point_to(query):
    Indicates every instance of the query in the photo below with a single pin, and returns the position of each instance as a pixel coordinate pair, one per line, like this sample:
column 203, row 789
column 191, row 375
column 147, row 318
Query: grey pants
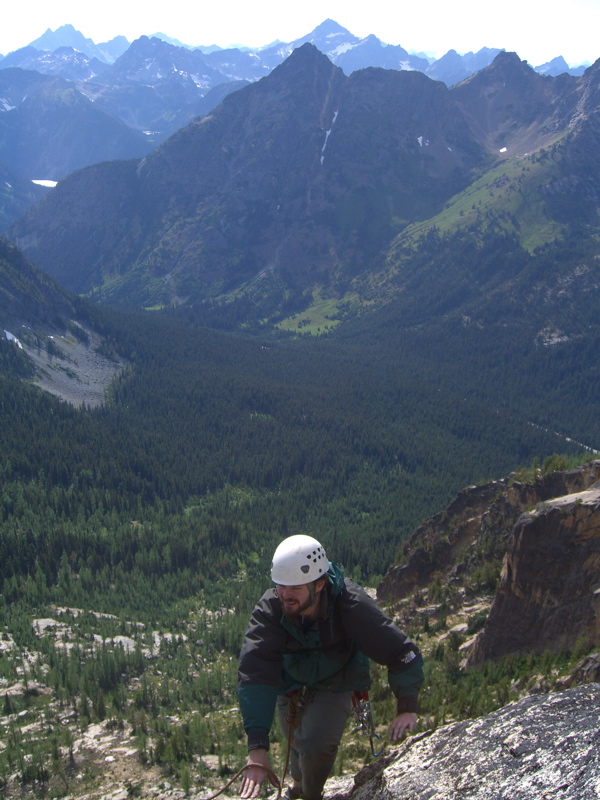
column 318, row 729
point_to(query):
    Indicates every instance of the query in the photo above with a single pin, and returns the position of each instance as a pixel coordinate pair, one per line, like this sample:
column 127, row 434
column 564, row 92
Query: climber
column 310, row 639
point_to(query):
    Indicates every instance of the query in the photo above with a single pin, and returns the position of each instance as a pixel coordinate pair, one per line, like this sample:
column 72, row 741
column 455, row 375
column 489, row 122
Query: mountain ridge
column 342, row 47
column 233, row 201
column 156, row 85
column 271, row 108
column 49, row 128
column 68, row 36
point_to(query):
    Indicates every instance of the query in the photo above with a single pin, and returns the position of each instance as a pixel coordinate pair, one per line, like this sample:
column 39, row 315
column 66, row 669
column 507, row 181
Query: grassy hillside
column 511, row 193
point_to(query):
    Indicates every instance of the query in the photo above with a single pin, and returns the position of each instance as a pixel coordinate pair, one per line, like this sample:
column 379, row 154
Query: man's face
column 294, row 599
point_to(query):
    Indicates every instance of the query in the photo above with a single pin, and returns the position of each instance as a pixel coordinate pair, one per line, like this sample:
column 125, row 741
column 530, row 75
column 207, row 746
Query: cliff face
column 549, row 593
column 475, row 527
column 541, row 746
column 547, row 536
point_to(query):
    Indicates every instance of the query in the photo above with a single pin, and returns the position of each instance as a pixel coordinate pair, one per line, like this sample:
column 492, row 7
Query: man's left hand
column 403, row 722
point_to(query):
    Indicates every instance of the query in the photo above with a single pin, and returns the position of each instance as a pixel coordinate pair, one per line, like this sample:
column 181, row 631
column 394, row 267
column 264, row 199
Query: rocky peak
column 329, row 28
column 507, row 71
column 557, row 66
column 328, row 37
column 152, row 60
column 302, row 61
column 506, row 90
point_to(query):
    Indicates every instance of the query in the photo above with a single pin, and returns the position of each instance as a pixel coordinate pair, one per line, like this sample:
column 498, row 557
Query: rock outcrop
column 476, row 525
column 549, row 593
column 540, row 747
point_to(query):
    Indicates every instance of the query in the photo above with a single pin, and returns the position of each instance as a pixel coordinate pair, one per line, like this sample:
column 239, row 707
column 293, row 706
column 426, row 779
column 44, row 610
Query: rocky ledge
column 543, row 746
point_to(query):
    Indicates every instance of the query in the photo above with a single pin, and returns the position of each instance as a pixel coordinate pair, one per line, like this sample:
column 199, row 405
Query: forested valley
column 143, row 529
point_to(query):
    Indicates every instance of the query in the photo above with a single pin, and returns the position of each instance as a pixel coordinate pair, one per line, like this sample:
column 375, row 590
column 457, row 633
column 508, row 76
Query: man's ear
column 319, row 584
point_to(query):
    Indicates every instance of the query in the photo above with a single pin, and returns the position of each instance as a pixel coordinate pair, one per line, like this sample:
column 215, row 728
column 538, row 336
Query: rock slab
column 544, row 746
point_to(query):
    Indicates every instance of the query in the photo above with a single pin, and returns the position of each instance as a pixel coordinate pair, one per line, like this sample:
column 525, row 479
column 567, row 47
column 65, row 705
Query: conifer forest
column 136, row 536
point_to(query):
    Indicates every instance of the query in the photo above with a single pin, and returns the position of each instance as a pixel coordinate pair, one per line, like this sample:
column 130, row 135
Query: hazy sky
column 537, row 30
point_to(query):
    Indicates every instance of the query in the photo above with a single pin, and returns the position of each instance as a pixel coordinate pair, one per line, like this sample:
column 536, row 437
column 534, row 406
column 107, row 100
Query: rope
column 296, row 698
column 270, row 774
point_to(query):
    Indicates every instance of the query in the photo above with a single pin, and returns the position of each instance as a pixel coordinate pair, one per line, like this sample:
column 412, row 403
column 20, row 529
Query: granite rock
column 543, row 746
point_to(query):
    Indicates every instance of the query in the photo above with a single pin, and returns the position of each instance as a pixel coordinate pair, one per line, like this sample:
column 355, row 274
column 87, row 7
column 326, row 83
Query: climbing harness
column 361, row 708
column 363, row 715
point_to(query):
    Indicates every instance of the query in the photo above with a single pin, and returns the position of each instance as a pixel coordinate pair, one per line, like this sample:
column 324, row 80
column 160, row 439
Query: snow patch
column 5, row 105
column 48, row 184
column 342, row 48
column 327, row 134
column 201, row 81
column 503, row 150
column 12, row 338
column 421, row 140
column 404, row 65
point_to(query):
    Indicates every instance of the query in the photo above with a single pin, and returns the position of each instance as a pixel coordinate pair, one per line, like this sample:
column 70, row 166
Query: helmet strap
column 312, row 593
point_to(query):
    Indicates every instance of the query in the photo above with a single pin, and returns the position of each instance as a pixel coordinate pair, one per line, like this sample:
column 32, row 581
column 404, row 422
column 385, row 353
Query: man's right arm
column 259, row 672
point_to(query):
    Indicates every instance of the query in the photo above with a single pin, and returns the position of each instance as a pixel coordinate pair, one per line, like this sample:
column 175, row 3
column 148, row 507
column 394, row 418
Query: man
column 316, row 631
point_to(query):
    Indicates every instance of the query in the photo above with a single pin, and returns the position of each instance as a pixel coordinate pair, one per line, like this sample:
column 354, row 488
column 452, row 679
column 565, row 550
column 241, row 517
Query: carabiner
column 380, row 751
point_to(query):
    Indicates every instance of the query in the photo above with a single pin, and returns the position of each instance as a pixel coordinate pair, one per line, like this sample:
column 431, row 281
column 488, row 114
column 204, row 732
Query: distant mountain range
column 343, row 48
column 153, row 87
column 313, row 189
column 447, row 238
column 67, row 36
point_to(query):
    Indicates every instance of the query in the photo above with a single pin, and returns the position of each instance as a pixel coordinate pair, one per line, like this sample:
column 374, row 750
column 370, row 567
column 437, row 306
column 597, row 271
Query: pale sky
column 538, row 30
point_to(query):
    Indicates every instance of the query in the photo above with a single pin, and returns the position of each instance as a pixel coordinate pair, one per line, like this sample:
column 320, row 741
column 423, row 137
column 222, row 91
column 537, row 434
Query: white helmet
column 298, row 560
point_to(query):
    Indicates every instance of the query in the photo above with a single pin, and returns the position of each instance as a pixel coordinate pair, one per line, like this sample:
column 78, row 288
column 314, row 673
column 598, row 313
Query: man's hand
column 254, row 776
column 403, row 722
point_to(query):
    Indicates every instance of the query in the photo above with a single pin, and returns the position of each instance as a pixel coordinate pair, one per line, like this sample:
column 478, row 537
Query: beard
column 294, row 608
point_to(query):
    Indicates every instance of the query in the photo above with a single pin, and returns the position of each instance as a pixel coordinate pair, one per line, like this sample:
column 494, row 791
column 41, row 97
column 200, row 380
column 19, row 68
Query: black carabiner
column 380, row 751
